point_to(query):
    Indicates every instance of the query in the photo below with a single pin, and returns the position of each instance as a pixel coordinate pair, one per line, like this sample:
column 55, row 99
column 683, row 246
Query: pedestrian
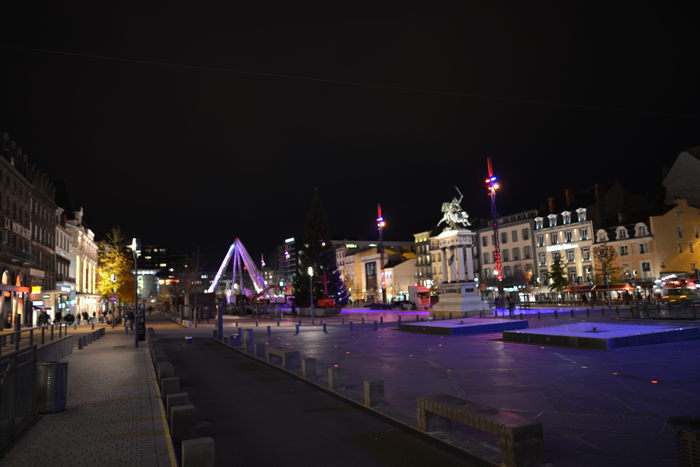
column 86, row 318
column 511, row 304
column 58, row 317
column 130, row 320
column 94, row 317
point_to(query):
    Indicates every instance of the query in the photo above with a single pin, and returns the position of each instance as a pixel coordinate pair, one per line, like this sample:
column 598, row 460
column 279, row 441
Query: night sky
column 188, row 126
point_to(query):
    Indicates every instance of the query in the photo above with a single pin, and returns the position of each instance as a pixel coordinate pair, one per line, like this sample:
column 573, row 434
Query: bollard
column 381, row 320
column 240, row 333
column 182, row 422
column 299, row 321
column 417, row 317
column 236, row 323
column 248, row 341
column 539, row 315
column 260, row 350
column 336, row 377
column 297, row 331
column 257, row 323
column 169, row 386
column 556, row 313
column 363, row 320
column 42, row 336
column 351, row 326
column 173, row 400
column 165, row 370
column 198, row 452
column 226, row 341
column 269, row 330
column 308, row 367
column 374, row 393
column 80, row 343
column 572, row 312
column 399, row 320
column 375, row 324
column 325, row 329
column 278, row 323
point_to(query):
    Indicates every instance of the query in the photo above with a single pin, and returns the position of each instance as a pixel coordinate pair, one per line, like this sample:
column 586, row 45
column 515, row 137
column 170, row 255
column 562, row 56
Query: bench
column 521, row 437
column 289, row 358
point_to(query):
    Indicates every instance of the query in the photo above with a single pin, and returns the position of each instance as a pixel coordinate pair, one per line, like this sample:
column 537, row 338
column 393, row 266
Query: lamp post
column 136, row 250
column 381, row 223
column 311, row 290
column 113, row 278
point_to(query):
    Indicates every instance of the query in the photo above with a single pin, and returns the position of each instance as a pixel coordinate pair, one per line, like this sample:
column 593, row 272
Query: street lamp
column 136, row 250
column 311, row 291
column 381, row 223
column 113, row 278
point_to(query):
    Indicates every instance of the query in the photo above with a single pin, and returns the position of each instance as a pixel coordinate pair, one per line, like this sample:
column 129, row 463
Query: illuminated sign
column 568, row 246
column 289, row 240
column 36, row 289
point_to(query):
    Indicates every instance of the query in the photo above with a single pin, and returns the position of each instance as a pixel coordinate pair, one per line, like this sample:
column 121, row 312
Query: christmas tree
column 317, row 251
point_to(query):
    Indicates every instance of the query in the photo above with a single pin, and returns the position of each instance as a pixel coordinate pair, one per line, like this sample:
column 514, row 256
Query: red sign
column 326, row 302
column 112, row 298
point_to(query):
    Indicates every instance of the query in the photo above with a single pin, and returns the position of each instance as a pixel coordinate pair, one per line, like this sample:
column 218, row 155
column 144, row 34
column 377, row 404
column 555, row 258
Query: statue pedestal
column 458, row 298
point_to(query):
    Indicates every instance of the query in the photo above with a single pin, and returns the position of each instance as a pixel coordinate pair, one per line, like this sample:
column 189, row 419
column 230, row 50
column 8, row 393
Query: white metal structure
column 239, row 257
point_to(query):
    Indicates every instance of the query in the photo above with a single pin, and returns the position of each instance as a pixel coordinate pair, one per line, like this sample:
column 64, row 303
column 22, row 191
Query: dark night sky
column 150, row 120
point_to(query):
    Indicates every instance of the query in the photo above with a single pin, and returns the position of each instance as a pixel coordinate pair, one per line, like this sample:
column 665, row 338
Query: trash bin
column 51, row 386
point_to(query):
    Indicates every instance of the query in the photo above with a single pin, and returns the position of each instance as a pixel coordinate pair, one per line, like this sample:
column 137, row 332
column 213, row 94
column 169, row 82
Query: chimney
column 569, row 197
column 551, row 205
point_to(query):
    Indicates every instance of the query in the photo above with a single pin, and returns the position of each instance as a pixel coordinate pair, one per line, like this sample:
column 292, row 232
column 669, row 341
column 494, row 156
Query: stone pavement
column 598, row 407
column 113, row 415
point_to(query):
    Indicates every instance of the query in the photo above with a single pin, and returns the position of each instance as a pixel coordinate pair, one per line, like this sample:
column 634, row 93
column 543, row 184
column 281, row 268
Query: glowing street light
column 381, row 223
column 311, row 290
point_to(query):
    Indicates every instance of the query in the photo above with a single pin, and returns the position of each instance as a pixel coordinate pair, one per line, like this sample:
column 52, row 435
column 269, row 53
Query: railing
column 28, row 337
column 17, row 396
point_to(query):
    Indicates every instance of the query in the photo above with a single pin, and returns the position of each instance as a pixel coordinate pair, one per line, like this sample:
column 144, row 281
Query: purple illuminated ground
column 598, row 407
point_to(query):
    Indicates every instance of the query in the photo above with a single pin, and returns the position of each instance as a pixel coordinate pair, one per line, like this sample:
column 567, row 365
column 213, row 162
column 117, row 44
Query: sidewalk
column 113, row 415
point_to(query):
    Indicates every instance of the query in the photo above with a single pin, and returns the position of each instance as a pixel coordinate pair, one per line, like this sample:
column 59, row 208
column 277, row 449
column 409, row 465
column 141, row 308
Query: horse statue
column 453, row 215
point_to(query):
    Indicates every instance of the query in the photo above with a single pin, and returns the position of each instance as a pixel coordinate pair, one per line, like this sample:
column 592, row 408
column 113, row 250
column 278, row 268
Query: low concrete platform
column 461, row 326
column 602, row 335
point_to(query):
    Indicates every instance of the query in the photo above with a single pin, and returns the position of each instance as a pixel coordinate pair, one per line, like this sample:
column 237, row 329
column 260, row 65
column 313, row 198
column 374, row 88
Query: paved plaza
column 598, row 407
column 113, row 415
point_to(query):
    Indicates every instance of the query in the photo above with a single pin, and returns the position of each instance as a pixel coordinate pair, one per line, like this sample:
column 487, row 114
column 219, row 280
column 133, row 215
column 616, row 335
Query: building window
column 641, row 230
column 526, row 234
column 680, row 248
column 487, row 273
column 526, row 252
column 538, row 223
column 506, row 255
column 504, row 238
column 516, row 254
column 554, row 238
column 506, row 271
column 567, row 236
column 487, row 258
column 514, row 235
column 543, row 277
column 581, row 213
column 540, row 240
column 583, row 233
column 571, row 274
column 679, row 230
column 570, row 256
column 646, row 270
column 542, row 259
column 621, row 233
column 485, row 240
column 566, row 217
column 624, row 250
column 552, row 220
column 643, row 248
column 588, row 274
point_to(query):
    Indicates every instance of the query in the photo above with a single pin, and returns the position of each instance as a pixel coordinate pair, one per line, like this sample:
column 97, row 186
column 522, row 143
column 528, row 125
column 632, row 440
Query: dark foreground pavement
column 260, row 416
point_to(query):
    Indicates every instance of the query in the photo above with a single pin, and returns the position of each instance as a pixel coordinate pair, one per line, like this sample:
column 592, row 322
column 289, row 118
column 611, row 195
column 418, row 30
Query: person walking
column 130, row 320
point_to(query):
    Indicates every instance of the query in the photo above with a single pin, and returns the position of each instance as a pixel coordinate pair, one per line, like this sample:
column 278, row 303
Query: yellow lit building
column 677, row 238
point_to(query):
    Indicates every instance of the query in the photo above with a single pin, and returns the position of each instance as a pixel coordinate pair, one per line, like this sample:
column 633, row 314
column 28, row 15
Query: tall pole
column 136, row 296
column 380, row 226
column 311, row 290
column 493, row 186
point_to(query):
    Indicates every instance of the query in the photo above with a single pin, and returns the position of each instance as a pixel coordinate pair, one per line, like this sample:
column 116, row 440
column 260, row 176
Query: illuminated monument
column 459, row 292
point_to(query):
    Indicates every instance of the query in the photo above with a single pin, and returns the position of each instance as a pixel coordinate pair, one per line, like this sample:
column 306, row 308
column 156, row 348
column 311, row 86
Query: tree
column 317, row 251
column 114, row 261
column 557, row 275
column 605, row 259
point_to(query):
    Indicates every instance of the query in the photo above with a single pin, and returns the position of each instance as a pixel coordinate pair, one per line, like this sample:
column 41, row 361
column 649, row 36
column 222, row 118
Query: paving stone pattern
column 113, row 416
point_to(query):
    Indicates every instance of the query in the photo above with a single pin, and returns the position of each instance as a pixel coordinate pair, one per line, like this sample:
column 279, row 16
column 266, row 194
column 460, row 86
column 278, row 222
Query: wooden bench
column 521, row 437
column 290, row 358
